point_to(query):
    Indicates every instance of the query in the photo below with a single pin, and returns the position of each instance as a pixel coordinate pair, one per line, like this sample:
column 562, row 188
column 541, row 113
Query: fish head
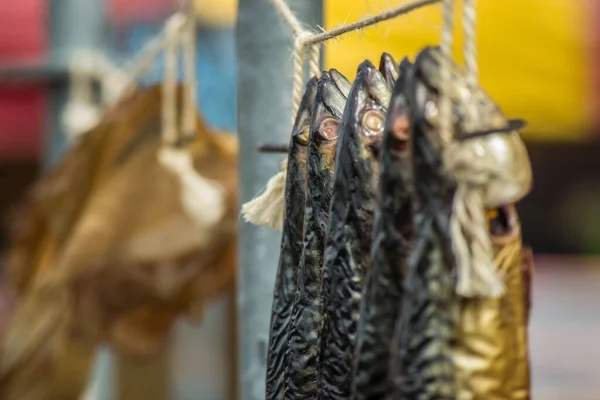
column 364, row 118
column 342, row 83
column 396, row 150
column 397, row 127
column 480, row 129
column 325, row 124
column 301, row 129
column 389, row 68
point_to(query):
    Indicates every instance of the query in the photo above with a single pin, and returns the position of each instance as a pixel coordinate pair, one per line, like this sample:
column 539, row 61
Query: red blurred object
column 22, row 107
column 22, row 115
column 23, row 35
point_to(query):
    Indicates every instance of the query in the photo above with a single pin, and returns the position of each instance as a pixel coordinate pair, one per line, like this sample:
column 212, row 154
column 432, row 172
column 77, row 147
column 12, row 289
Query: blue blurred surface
column 216, row 65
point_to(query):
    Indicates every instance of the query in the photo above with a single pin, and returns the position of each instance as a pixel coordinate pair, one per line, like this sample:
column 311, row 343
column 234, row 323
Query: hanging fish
column 424, row 366
column 491, row 354
column 347, row 256
column 389, row 68
column 90, row 280
column 391, row 244
column 291, row 245
column 303, row 352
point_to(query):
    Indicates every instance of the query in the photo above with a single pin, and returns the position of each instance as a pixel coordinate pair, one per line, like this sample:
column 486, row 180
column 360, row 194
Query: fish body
column 303, row 350
column 291, row 245
column 391, row 244
column 424, row 366
column 347, row 256
column 490, row 351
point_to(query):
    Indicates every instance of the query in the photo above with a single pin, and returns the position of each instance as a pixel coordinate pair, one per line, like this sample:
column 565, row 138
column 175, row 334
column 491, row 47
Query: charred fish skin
column 389, row 68
column 291, row 245
column 424, row 368
column 304, row 345
column 347, row 255
column 391, row 244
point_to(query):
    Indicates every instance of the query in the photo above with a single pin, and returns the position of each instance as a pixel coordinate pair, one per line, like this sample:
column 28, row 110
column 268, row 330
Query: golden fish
column 490, row 355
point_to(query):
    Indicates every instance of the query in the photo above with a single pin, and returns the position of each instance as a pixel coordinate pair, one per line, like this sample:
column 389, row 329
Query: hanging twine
column 189, row 120
column 173, row 28
column 446, row 116
column 477, row 276
column 469, row 27
column 314, row 60
column 81, row 113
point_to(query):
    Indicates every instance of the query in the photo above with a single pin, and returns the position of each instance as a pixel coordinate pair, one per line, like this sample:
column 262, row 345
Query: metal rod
column 264, row 112
column 273, row 148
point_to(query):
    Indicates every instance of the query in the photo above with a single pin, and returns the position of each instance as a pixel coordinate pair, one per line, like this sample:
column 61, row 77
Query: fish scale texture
column 347, row 256
column 292, row 239
column 303, row 351
column 424, row 368
column 383, row 293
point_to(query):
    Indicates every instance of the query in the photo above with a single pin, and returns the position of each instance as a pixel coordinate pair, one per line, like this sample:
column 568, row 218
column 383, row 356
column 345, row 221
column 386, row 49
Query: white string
column 469, row 27
column 189, row 53
column 173, row 28
column 314, row 60
column 446, row 116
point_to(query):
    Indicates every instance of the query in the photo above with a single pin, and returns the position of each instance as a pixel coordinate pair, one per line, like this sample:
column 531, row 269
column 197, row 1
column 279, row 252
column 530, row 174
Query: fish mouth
column 368, row 102
column 503, row 223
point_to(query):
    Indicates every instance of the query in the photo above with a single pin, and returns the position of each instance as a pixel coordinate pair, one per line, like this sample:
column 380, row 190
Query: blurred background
column 538, row 59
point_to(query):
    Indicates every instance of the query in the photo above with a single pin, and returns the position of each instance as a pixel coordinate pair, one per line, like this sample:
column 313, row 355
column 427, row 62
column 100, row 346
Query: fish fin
column 268, row 209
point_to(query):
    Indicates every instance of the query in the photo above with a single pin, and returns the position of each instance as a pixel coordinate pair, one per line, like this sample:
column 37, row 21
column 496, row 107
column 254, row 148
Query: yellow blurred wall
column 534, row 55
column 220, row 13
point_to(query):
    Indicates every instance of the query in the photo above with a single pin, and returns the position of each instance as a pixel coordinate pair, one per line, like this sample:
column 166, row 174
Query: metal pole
column 264, row 106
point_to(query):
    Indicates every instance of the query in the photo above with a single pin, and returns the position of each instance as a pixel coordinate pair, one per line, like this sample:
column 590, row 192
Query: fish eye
column 373, row 122
column 401, row 128
column 328, row 129
column 302, row 137
column 431, row 112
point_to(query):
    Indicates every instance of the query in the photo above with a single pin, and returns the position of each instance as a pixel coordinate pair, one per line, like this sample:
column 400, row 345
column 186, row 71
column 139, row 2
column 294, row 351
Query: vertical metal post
column 264, row 106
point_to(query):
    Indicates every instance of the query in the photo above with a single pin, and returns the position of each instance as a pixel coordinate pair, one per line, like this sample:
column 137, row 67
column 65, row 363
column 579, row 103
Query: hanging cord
column 469, row 26
column 471, row 243
column 81, row 113
column 446, row 116
column 202, row 199
column 189, row 120
column 314, row 60
column 173, row 29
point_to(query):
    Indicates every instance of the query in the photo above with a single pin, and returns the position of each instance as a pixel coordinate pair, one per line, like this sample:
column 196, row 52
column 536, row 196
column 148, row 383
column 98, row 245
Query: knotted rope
column 304, row 38
column 472, row 170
